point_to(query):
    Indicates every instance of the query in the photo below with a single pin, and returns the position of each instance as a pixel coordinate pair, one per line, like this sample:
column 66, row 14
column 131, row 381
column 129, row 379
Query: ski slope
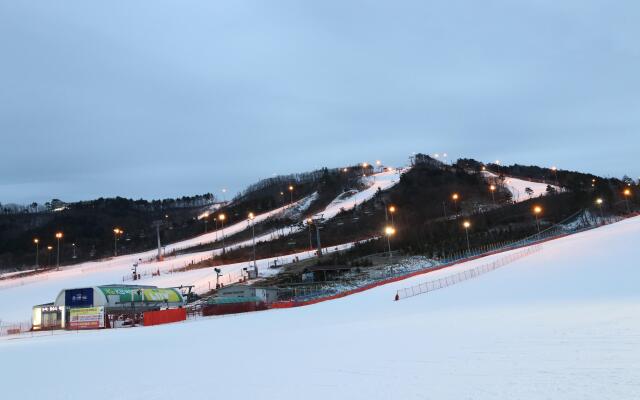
column 560, row 324
column 517, row 187
column 347, row 201
column 215, row 235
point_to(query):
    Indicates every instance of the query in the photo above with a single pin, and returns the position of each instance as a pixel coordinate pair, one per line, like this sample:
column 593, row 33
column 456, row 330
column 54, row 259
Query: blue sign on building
column 79, row 297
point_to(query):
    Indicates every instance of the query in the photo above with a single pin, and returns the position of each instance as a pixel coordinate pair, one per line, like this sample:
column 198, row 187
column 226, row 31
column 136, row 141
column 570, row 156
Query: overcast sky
column 159, row 98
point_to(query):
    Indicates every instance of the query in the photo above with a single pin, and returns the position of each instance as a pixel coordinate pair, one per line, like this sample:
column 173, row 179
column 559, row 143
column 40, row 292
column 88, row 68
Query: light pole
column 253, row 235
column 73, row 246
column 492, row 188
column 222, row 217
column 36, row 241
column 392, row 210
column 555, row 174
column 627, row 194
column 49, row 249
column 536, row 211
column 389, row 231
column 58, row 237
column 599, row 202
column 467, row 225
column 116, row 232
column 206, row 221
column 291, row 195
column 455, row 198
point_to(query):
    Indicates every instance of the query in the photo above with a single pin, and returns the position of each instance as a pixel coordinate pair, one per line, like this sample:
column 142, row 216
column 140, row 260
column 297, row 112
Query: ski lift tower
column 317, row 222
column 157, row 224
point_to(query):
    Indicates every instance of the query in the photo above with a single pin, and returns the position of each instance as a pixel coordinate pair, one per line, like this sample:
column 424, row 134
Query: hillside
column 561, row 322
column 88, row 225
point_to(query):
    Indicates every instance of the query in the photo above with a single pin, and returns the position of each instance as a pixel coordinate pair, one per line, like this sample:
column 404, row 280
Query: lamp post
column 364, row 168
column 555, row 173
column 253, row 235
column 599, row 202
column 467, row 225
column 389, row 231
column 116, row 232
column 291, row 195
column 627, row 194
column 58, row 237
column 73, row 246
column 392, row 210
column 49, row 249
column 36, row 241
column 222, row 217
column 455, row 198
column 492, row 189
column 536, row 211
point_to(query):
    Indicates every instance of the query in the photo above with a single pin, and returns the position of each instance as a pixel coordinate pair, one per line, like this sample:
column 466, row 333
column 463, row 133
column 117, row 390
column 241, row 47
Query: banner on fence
column 86, row 318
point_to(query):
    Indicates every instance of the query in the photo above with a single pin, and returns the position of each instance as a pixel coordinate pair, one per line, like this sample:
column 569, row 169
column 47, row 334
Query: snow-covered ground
column 560, row 324
column 347, row 201
column 518, row 187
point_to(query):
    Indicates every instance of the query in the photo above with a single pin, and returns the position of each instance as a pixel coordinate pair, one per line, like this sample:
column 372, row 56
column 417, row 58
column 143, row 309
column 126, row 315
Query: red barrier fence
column 164, row 316
column 232, row 308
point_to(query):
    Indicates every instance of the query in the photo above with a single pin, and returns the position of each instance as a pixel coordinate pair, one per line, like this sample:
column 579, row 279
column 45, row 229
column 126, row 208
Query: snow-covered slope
column 560, row 324
column 347, row 201
column 230, row 230
column 518, row 187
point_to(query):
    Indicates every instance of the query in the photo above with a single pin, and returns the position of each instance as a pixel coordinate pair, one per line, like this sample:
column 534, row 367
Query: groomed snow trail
column 560, row 324
column 518, row 187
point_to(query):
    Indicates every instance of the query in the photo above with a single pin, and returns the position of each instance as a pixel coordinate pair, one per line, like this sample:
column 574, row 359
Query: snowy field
column 563, row 323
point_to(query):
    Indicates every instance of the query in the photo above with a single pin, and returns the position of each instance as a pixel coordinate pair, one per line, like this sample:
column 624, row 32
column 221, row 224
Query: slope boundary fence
column 430, row 286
